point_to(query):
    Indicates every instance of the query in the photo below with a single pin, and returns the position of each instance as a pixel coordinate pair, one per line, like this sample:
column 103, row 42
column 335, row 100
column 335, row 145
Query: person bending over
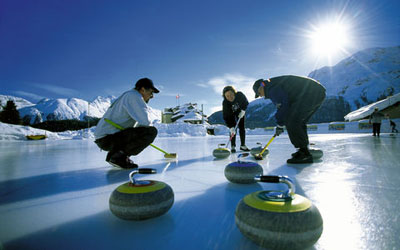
column 296, row 99
column 233, row 108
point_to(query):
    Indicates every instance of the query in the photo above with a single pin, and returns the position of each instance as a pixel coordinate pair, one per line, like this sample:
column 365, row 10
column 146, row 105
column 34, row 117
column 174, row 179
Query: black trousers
column 376, row 129
column 298, row 116
column 242, row 133
column 131, row 141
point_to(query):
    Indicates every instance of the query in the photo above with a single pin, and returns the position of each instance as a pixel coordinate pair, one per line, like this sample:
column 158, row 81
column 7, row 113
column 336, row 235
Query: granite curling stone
column 316, row 153
column 256, row 150
column 221, row 152
column 279, row 220
column 242, row 172
column 140, row 200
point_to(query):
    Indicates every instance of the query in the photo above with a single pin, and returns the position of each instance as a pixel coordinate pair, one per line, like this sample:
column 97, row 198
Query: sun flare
column 329, row 39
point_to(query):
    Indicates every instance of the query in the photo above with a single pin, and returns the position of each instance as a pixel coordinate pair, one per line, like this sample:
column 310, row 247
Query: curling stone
column 316, row 153
column 140, row 200
column 279, row 219
column 242, row 172
column 256, row 150
column 221, row 152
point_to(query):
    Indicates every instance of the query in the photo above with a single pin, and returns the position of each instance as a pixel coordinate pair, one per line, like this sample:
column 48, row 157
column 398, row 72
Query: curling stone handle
column 141, row 171
column 147, row 171
column 278, row 179
column 267, row 178
column 242, row 155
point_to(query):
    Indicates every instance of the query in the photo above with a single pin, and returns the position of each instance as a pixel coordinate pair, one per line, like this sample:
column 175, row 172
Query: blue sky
column 61, row 49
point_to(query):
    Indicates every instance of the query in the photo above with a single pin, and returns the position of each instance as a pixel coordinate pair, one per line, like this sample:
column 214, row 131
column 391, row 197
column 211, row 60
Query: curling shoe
column 120, row 159
column 301, row 156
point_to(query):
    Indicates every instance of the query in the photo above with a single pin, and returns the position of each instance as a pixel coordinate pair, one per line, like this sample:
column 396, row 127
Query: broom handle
column 230, row 138
column 266, row 146
column 154, row 146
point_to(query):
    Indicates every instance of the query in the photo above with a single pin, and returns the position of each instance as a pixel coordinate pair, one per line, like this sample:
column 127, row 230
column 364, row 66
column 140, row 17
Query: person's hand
column 241, row 114
column 233, row 132
column 278, row 130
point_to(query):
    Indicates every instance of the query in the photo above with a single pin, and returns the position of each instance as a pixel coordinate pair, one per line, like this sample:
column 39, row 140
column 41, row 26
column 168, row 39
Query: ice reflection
column 340, row 209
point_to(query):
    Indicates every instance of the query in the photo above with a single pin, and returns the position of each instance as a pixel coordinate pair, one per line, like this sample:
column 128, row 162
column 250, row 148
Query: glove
column 233, row 132
column 278, row 130
column 241, row 114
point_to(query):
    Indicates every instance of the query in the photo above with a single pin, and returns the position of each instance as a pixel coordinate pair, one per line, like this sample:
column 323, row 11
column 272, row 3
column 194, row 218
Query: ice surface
column 54, row 193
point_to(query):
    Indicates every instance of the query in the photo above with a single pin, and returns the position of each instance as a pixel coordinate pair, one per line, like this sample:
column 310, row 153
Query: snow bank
column 19, row 132
column 180, row 129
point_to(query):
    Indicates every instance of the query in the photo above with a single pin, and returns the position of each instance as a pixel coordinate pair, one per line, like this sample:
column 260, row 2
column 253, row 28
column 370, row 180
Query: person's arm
column 281, row 100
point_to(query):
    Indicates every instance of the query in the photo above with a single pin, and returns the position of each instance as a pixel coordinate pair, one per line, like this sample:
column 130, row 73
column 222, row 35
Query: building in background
column 188, row 113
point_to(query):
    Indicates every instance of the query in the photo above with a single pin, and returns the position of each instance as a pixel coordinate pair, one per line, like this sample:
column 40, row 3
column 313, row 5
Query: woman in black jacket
column 233, row 108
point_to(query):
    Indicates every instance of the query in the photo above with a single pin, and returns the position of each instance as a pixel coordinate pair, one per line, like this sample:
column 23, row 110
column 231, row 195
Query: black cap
column 257, row 85
column 147, row 84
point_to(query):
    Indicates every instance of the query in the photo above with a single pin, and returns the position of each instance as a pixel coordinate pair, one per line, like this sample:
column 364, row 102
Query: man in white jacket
column 125, row 129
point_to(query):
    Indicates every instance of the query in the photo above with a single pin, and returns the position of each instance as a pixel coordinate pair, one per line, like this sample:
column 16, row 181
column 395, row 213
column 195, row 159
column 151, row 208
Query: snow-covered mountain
column 365, row 77
column 64, row 109
column 19, row 102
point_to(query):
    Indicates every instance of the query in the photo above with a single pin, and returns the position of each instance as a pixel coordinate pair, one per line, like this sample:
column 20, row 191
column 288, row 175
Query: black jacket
column 231, row 110
column 289, row 91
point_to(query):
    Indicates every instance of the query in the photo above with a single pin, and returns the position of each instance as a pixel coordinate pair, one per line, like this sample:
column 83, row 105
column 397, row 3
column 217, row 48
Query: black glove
column 278, row 130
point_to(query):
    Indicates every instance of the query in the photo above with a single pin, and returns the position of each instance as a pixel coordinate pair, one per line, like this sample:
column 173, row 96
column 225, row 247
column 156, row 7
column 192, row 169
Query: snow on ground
column 182, row 129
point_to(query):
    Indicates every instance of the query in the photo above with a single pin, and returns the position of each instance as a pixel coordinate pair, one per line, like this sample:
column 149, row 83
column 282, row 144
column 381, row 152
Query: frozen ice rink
column 54, row 194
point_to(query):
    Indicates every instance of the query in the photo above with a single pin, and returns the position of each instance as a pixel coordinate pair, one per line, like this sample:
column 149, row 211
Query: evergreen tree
column 10, row 114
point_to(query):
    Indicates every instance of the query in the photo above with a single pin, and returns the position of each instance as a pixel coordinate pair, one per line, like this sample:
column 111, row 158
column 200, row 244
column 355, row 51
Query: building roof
column 390, row 106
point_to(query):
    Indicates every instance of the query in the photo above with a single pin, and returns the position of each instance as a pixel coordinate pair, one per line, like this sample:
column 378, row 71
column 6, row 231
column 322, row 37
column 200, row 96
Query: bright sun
column 328, row 39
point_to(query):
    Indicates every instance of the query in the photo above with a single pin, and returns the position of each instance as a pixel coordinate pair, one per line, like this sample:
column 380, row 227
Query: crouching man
column 296, row 99
column 125, row 129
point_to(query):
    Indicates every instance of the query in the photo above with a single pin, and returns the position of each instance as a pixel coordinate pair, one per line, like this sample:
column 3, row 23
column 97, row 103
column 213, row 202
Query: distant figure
column 393, row 126
column 376, row 120
column 233, row 108
column 125, row 129
column 296, row 99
